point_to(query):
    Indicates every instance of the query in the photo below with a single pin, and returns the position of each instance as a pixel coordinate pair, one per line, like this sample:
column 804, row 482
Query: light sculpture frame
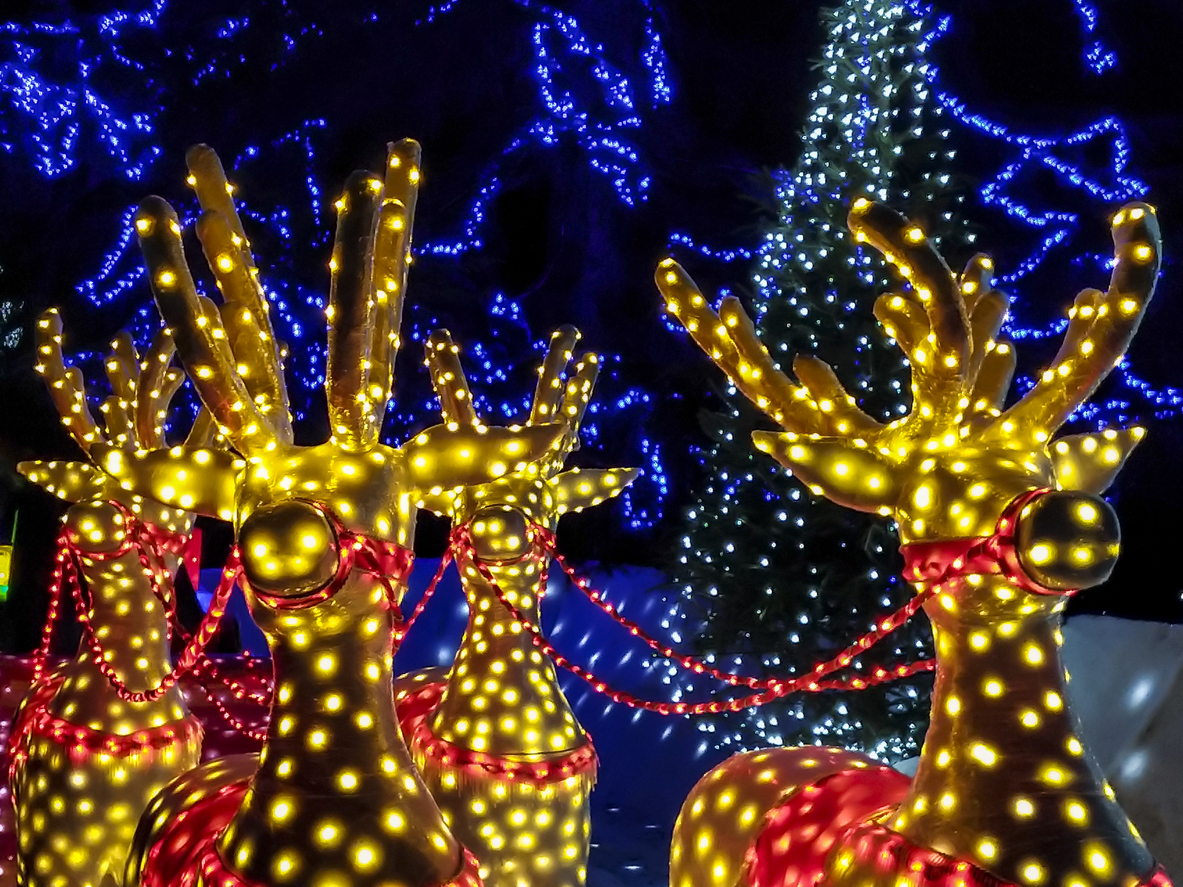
column 999, row 524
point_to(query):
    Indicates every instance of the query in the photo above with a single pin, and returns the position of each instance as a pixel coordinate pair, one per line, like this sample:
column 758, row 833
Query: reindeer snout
column 1068, row 540
column 288, row 549
column 499, row 533
column 95, row 526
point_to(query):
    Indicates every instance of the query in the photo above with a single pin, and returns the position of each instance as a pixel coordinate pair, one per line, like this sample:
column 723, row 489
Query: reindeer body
column 76, row 810
column 495, row 737
column 999, row 524
column 87, row 760
column 323, row 552
column 1001, row 728
column 501, row 700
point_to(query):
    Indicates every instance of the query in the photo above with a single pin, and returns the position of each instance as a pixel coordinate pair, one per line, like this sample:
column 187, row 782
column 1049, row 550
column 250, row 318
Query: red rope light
column 416, row 708
column 690, row 663
column 776, row 688
column 142, row 537
column 400, row 632
column 190, row 656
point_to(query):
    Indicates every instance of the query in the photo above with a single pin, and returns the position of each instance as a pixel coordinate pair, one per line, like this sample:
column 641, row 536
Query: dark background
column 557, row 236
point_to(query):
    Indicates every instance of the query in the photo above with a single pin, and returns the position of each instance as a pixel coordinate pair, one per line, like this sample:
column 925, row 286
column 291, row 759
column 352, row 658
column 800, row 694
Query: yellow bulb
column 983, row 754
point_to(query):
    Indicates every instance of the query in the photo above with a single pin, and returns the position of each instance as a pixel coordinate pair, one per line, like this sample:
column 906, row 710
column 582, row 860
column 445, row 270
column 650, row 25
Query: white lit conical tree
column 767, row 572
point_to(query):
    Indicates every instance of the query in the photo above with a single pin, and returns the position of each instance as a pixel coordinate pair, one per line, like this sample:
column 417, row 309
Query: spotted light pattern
column 1004, row 780
column 336, row 799
column 502, row 697
column 76, row 811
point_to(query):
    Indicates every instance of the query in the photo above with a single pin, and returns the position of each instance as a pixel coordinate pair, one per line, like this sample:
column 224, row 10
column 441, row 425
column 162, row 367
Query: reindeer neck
column 131, row 627
column 336, row 788
column 1005, row 778
column 503, row 695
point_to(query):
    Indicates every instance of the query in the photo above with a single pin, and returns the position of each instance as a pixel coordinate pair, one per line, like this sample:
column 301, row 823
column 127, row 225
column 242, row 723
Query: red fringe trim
column 34, row 721
column 802, row 834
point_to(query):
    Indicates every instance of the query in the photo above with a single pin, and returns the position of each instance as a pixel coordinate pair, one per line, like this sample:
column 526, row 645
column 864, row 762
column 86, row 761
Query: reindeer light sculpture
column 99, row 736
column 494, row 736
column 333, row 799
column 999, row 524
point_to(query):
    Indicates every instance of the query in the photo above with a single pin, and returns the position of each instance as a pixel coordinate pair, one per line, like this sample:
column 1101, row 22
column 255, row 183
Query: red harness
column 943, row 560
column 414, row 712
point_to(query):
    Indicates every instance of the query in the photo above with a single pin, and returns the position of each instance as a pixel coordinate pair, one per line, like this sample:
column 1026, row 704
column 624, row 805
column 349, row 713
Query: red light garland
column 35, row 721
column 776, row 688
column 416, row 708
column 142, row 537
column 690, row 663
column 400, row 631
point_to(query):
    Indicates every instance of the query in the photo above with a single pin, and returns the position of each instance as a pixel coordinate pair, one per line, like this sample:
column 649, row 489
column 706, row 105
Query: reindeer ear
column 69, row 481
column 847, row 472
column 581, row 488
column 1090, row 462
column 199, row 480
column 463, row 455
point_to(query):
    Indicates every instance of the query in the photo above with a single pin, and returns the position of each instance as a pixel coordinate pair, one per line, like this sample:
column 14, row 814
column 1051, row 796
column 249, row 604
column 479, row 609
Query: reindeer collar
column 942, row 560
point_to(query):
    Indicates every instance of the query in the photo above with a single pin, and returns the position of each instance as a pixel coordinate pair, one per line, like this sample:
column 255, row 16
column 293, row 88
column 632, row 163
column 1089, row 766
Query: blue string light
column 1096, row 56
column 598, row 98
column 1109, row 183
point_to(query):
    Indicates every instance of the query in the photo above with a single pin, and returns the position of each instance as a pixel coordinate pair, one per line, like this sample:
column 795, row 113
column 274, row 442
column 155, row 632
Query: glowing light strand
column 812, row 683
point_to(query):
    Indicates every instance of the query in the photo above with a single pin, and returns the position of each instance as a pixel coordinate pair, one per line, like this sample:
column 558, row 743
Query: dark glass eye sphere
column 288, row 549
column 1068, row 540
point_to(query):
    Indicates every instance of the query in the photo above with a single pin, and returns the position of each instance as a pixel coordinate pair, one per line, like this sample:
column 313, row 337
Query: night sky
column 559, row 236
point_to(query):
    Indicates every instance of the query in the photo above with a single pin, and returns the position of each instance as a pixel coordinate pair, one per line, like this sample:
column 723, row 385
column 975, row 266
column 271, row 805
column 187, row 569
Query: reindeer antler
column 245, row 314
column 820, row 405
column 442, row 358
column 232, row 355
column 948, row 327
column 1100, row 327
column 369, row 265
column 133, row 414
column 553, row 401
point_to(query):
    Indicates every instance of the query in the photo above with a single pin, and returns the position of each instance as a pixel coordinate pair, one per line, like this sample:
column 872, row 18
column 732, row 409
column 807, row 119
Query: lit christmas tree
column 768, row 573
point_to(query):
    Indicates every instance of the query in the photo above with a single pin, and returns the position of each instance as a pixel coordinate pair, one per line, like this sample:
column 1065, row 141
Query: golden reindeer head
column 133, row 416
column 282, row 497
column 500, row 512
column 951, row 467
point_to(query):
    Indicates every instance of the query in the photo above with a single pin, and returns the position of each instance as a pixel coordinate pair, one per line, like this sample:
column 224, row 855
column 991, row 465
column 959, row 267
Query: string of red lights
column 812, row 683
column 690, row 663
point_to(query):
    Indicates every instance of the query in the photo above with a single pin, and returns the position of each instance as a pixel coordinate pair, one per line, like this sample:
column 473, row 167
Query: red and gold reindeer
column 494, row 736
column 96, row 738
column 323, row 536
column 999, row 523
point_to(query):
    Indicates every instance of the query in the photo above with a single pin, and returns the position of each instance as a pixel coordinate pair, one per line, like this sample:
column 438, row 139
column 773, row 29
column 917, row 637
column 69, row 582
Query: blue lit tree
column 768, row 572
column 99, row 104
